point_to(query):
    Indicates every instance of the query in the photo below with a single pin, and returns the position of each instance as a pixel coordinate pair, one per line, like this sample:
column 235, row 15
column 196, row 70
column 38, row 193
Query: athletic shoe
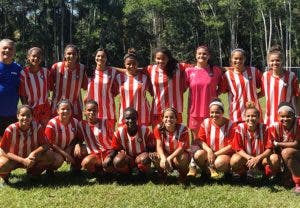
column 297, row 190
column 192, row 171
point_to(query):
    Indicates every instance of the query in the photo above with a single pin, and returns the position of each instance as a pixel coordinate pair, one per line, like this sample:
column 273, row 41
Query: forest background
column 180, row 25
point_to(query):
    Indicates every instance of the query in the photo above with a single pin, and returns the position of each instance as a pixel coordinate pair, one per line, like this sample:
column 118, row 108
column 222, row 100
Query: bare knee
column 58, row 161
column 222, row 163
column 120, row 160
column 200, row 157
column 143, row 158
column 237, row 162
column 287, row 153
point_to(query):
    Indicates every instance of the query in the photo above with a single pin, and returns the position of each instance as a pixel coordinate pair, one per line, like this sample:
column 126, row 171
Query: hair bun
column 250, row 104
column 275, row 48
column 131, row 51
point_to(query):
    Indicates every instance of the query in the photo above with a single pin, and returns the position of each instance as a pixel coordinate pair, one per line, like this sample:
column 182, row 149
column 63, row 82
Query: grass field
column 66, row 190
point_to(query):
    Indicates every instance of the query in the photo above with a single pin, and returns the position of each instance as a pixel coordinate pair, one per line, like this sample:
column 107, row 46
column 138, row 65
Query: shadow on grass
column 66, row 178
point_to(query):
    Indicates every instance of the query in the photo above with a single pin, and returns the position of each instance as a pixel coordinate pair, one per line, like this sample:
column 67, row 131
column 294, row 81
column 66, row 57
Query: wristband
column 275, row 143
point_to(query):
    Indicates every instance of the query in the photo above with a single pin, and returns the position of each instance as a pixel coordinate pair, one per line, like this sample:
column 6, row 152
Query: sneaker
column 254, row 174
column 297, row 190
column 3, row 182
column 192, row 171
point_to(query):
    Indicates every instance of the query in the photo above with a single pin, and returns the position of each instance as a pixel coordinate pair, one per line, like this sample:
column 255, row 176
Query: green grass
column 66, row 190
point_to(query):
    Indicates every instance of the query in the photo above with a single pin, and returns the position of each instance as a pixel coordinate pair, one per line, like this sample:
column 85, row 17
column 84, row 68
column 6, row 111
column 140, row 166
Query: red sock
column 143, row 168
column 268, row 171
column 124, row 170
column 296, row 180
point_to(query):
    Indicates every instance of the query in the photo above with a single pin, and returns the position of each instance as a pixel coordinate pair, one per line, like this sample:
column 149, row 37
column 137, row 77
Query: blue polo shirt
column 9, row 88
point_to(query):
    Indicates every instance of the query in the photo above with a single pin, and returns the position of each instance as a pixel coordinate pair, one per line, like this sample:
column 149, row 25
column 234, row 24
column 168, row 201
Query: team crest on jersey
column 73, row 129
column 77, row 76
column 140, row 140
column 42, row 76
column 250, row 77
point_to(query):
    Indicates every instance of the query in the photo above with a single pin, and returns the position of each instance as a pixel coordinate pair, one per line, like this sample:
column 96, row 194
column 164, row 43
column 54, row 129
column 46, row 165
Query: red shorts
column 157, row 119
column 110, row 126
column 42, row 113
column 194, row 123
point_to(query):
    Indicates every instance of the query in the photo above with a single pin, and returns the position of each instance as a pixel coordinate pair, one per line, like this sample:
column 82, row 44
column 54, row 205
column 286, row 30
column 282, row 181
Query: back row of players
column 166, row 81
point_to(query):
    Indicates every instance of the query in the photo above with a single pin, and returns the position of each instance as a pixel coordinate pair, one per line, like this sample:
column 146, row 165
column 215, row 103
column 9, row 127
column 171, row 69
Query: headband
column 286, row 108
column 239, row 50
column 218, row 103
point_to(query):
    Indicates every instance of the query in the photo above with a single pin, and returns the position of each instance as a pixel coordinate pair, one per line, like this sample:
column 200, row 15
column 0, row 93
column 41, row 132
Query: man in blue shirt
column 9, row 84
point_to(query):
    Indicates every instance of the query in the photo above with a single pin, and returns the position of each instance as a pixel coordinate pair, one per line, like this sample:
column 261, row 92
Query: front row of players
column 222, row 147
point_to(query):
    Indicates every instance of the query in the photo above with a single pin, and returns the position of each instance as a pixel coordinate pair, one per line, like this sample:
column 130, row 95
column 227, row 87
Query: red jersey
column 60, row 134
column 173, row 140
column 277, row 90
column 67, row 84
column 99, row 132
column 167, row 92
column 22, row 143
column 216, row 137
column 253, row 143
column 92, row 136
column 143, row 141
column 133, row 94
column 101, row 88
column 276, row 132
column 35, row 86
column 241, row 88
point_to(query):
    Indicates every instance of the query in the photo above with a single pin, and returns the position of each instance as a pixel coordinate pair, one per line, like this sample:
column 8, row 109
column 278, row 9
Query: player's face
column 130, row 119
column 91, row 112
column 64, row 111
column 101, row 58
column 202, row 56
column 286, row 118
column 71, row 55
column 215, row 112
column 251, row 118
column 275, row 61
column 7, row 52
column 238, row 60
column 169, row 119
column 24, row 118
column 161, row 60
column 35, row 58
column 131, row 66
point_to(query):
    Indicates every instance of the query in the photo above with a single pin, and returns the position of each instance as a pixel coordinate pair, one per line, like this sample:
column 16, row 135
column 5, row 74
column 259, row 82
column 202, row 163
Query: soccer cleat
column 3, row 182
column 297, row 190
column 192, row 171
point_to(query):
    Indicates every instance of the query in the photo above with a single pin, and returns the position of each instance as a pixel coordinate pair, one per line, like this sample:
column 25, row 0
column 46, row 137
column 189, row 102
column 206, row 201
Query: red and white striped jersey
column 143, row 141
column 67, row 84
column 216, row 137
column 277, row 132
column 59, row 134
column 22, row 143
column 253, row 143
column 94, row 139
column 173, row 140
column 101, row 88
column 92, row 143
column 167, row 92
column 277, row 90
column 35, row 86
column 241, row 88
column 133, row 94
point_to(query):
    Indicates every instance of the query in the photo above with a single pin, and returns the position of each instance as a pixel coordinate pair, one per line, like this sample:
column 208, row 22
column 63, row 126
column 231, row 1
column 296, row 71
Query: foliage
column 181, row 25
